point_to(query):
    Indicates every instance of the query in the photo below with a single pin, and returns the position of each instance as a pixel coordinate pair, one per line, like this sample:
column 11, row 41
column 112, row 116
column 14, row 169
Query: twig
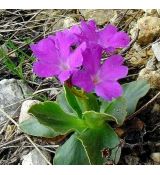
column 125, row 27
column 10, row 142
column 16, row 124
column 122, row 17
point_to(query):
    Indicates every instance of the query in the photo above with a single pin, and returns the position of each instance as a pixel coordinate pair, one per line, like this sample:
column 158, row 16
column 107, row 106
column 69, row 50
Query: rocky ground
column 20, row 88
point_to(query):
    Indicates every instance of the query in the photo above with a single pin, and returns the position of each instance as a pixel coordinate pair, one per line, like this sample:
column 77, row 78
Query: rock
column 158, row 11
column 149, row 29
column 156, row 50
column 68, row 22
column 151, row 12
column 24, row 109
column 12, row 92
column 53, row 25
column 156, row 108
column 34, row 158
column 151, row 73
column 131, row 160
column 137, row 56
column 99, row 15
column 63, row 23
column 155, row 157
column 152, row 76
column 48, row 14
column 152, row 64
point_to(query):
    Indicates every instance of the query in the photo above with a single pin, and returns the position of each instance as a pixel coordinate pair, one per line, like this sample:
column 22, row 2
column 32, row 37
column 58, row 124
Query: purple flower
column 100, row 78
column 55, row 56
column 108, row 38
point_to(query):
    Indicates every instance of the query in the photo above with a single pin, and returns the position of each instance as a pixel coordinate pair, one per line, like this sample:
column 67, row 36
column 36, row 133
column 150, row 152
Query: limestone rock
column 99, row 15
column 156, row 50
column 34, row 158
column 155, row 157
column 26, row 105
column 63, row 23
column 68, row 22
column 137, row 56
column 152, row 76
column 12, row 93
column 151, row 12
column 149, row 29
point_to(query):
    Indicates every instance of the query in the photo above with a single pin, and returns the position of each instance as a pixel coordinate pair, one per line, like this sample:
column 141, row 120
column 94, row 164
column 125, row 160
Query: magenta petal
column 120, row 40
column 76, row 58
column 64, row 40
column 112, row 69
column 45, row 50
column 64, row 75
column 89, row 31
column 43, row 69
column 92, row 24
column 75, row 30
column 106, row 34
column 92, row 58
column 109, row 90
column 83, row 80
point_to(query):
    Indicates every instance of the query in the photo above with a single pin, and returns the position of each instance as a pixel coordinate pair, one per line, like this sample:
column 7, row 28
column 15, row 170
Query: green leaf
column 95, row 140
column 51, row 115
column 34, row 128
column 98, row 136
column 72, row 152
column 88, row 103
column 80, row 101
column 95, row 119
column 116, row 108
column 133, row 92
column 72, row 100
column 61, row 100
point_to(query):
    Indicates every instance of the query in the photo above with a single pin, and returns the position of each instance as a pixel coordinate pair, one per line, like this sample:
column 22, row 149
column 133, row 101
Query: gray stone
column 99, row 15
column 63, row 23
column 151, row 64
column 156, row 50
column 68, row 22
column 12, row 94
column 151, row 12
column 26, row 105
column 34, row 158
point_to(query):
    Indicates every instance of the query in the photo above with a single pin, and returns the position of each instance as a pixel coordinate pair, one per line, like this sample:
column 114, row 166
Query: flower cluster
column 77, row 53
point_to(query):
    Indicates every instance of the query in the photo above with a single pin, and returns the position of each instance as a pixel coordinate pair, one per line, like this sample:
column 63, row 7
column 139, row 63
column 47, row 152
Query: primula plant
column 93, row 103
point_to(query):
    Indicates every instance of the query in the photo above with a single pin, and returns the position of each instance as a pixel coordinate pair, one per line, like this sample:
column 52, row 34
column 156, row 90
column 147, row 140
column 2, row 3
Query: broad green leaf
column 80, row 101
column 61, row 100
column 133, row 92
column 34, row 128
column 72, row 100
column 95, row 119
column 96, row 139
column 72, row 152
column 88, row 103
column 116, row 108
column 51, row 115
